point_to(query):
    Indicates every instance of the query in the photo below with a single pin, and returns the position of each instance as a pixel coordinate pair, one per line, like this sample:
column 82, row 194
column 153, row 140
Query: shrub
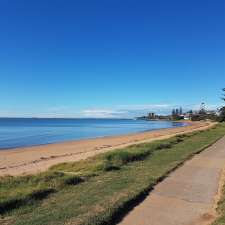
column 163, row 146
column 10, row 204
column 119, row 158
column 73, row 180
column 40, row 194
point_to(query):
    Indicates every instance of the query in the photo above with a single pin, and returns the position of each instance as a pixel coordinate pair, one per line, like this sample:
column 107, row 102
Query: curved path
column 188, row 196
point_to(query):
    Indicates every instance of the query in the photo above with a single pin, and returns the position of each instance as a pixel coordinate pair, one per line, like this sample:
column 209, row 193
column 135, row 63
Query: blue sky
column 110, row 58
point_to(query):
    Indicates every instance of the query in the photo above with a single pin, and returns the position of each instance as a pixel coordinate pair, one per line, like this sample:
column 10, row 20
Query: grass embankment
column 221, row 209
column 100, row 189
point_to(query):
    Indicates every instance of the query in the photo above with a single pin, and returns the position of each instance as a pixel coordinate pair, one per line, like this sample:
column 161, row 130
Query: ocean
column 22, row 132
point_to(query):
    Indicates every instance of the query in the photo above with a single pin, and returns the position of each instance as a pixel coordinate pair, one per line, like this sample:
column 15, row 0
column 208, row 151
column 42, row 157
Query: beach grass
column 221, row 209
column 98, row 190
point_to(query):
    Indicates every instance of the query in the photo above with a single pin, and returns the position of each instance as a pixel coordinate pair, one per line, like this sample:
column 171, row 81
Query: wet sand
column 29, row 160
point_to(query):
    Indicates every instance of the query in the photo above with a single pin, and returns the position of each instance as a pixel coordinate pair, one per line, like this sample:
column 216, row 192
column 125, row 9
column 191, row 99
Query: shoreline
column 97, row 137
column 34, row 159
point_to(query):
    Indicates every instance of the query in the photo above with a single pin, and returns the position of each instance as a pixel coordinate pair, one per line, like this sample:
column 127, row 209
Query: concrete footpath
column 188, row 196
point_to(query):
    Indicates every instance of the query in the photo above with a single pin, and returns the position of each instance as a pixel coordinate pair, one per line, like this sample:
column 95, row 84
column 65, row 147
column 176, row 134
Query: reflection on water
column 27, row 132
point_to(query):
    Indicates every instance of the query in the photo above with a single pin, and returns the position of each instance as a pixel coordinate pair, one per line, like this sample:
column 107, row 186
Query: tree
column 222, row 114
column 223, row 94
column 202, row 110
column 222, row 110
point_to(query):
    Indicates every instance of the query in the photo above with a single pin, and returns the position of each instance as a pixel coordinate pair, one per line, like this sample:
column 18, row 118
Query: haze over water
column 20, row 132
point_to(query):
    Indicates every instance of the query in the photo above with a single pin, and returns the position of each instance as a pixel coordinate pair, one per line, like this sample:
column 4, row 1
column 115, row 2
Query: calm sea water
column 27, row 132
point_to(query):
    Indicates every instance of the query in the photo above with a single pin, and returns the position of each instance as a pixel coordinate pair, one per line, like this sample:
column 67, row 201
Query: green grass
column 221, row 210
column 100, row 189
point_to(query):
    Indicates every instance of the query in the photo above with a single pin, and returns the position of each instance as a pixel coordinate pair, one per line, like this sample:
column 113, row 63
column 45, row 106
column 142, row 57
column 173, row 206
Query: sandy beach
column 28, row 160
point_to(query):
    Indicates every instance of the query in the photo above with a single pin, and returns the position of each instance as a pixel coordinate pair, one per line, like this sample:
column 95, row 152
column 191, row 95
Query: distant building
column 151, row 115
column 187, row 117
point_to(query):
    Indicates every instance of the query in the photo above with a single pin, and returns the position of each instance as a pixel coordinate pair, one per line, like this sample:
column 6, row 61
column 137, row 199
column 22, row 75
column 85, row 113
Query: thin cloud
column 103, row 113
column 125, row 111
column 119, row 111
column 145, row 107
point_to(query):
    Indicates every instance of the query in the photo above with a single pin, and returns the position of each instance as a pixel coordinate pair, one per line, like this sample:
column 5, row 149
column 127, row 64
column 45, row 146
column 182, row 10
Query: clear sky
column 110, row 58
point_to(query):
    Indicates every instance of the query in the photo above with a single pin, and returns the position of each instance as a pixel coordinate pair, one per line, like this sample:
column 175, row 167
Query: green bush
column 73, row 180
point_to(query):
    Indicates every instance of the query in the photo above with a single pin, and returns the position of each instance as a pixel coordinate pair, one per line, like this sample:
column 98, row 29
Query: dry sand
column 28, row 160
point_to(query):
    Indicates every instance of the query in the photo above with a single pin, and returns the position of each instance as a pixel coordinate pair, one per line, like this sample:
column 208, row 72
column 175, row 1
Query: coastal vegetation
column 98, row 190
column 221, row 205
column 221, row 210
column 222, row 109
column 193, row 115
